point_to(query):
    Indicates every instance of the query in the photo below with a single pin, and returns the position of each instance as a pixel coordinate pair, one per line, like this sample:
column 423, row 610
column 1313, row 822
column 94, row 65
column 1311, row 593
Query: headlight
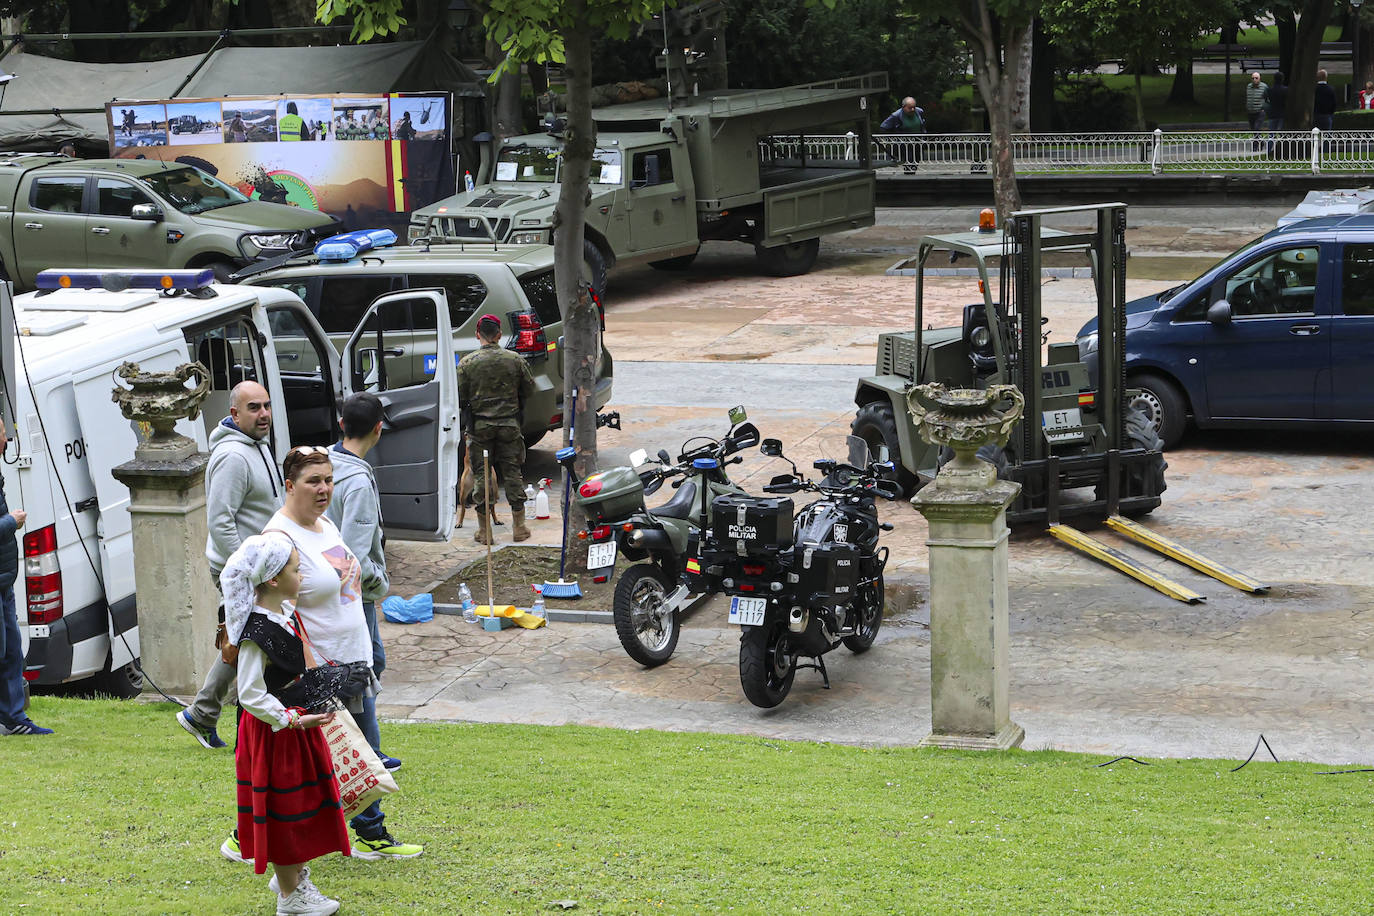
column 415, row 231
column 1087, row 344
column 980, row 338
column 283, row 241
column 529, row 238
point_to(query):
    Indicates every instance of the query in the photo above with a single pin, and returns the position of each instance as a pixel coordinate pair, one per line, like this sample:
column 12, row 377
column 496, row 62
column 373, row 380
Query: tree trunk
column 1181, row 92
column 1042, row 82
column 1287, row 26
column 581, row 324
column 1139, row 102
column 507, row 120
column 1021, row 85
column 993, row 71
column 1306, row 52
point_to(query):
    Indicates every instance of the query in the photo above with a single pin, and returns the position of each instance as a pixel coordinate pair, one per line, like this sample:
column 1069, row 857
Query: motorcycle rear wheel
column 869, row 607
column 766, row 668
column 638, row 611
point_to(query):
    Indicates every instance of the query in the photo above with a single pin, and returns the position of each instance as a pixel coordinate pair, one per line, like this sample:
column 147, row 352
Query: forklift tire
column 596, row 266
column 1162, row 406
column 788, row 260
column 1140, row 433
column 875, row 424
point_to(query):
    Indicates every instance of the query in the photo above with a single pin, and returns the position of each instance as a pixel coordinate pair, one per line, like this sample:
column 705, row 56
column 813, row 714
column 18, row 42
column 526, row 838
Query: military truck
column 1081, row 428
column 137, row 213
column 670, row 174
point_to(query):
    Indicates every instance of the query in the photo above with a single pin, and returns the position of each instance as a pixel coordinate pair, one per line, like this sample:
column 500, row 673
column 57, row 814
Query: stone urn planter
column 965, row 420
column 160, row 399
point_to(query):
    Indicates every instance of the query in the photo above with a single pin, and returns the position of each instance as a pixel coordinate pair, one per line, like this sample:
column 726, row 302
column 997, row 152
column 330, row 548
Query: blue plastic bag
column 419, row 609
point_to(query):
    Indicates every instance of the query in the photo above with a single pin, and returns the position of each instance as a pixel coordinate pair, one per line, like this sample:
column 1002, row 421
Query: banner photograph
column 291, row 149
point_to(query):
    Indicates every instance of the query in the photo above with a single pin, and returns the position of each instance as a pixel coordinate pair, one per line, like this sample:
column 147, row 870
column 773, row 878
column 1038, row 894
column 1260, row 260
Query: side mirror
column 149, row 213
column 771, row 447
column 883, row 456
column 1219, row 313
column 738, row 415
column 638, row 457
column 664, row 457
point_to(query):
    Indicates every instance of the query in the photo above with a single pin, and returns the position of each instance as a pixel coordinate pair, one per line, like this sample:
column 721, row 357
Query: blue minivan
column 1279, row 333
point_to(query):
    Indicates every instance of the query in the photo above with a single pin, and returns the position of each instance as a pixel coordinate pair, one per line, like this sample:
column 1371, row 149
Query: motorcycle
column 801, row 586
column 649, row 598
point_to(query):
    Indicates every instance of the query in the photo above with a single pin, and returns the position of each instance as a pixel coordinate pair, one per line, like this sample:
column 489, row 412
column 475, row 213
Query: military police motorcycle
column 649, row 597
column 800, row 586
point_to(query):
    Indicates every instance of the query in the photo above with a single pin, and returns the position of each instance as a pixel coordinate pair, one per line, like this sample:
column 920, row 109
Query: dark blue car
column 1279, row 333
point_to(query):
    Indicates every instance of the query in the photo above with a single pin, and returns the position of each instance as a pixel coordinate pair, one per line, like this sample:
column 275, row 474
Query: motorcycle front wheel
column 868, row 607
column 766, row 668
column 639, row 614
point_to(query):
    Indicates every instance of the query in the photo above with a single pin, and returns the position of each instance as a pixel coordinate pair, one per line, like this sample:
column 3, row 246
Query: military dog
column 466, row 485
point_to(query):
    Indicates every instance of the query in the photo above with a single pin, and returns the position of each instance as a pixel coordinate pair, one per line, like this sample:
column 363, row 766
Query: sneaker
column 231, row 851
column 304, row 882
column 306, row 900
column 205, row 734
column 28, row 728
column 391, row 763
column 383, row 847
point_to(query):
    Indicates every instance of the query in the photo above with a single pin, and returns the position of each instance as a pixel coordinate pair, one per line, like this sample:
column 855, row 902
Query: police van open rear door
column 416, row 461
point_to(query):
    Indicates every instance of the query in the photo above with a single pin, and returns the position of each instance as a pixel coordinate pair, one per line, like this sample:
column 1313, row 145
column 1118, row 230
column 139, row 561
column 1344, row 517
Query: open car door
column 416, row 461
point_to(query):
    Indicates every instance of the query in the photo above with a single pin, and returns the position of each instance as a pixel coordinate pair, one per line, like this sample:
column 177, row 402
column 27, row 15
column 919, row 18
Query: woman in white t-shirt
column 330, row 605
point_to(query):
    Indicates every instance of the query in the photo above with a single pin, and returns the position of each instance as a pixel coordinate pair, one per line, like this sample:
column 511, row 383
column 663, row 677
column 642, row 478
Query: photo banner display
column 361, row 157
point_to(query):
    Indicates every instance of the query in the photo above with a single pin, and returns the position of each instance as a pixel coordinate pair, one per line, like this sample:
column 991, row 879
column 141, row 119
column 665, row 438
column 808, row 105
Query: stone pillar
column 966, row 508
column 166, row 481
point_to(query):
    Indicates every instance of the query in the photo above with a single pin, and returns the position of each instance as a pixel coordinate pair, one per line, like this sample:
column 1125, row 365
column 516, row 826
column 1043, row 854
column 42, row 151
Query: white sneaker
column 306, row 900
column 304, row 881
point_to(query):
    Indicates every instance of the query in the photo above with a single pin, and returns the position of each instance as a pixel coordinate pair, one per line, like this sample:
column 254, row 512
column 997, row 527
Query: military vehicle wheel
column 596, row 266
column 1140, row 434
column 874, row 423
column 788, row 260
column 1162, row 405
column 124, row 683
column 766, row 665
column 681, row 262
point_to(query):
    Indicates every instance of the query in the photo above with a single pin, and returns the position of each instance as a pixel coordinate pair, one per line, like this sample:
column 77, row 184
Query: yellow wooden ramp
column 1176, row 551
column 1115, row 558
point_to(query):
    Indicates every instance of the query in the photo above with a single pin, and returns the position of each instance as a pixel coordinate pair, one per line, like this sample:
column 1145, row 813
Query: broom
column 561, row 588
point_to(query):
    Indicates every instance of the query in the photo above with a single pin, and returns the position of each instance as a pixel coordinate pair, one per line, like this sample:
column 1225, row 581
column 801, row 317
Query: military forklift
column 1079, row 429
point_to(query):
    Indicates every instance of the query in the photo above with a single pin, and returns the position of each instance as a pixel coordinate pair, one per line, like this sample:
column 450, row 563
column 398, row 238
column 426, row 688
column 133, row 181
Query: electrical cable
column 1256, row 749
column 1119, row 759
column 71, row 510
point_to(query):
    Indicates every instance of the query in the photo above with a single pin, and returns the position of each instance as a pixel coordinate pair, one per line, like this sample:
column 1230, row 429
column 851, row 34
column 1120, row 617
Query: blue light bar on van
column 348, row 245
column 118, row 280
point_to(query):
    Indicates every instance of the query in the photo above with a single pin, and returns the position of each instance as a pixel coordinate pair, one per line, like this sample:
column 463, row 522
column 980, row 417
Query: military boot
column 483, row 533
column 519, row 531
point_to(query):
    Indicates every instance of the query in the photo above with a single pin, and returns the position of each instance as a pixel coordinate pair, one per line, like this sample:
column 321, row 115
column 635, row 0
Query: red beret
column 489, row 317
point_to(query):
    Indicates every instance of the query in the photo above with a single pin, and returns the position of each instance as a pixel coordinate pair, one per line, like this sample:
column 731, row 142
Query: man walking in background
column 1257, row 109
column 1323, row 103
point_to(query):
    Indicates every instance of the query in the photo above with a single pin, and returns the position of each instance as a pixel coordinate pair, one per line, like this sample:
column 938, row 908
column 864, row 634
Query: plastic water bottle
column 541, row 501
column 469, row 606
column 531, row 507
column 467, row 181
column 538, row 610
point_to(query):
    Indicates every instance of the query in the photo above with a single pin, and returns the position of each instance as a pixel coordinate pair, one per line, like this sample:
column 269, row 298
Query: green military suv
column 137, row 213
column 512, row 282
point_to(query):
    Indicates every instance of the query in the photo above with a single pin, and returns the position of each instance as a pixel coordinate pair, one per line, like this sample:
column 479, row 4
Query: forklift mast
column 1106, row 245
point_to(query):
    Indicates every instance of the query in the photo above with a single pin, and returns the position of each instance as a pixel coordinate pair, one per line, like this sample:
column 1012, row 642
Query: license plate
column 38, row 631
column 599, row 556
column 747, row 612
column 1062, row 425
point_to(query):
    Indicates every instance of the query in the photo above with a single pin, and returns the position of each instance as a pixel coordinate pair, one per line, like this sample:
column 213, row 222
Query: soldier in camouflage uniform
column 493, row 385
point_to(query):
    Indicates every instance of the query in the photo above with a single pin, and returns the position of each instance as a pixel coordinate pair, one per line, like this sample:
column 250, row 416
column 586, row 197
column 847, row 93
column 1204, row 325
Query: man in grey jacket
column 356, row 511
column 243, row 490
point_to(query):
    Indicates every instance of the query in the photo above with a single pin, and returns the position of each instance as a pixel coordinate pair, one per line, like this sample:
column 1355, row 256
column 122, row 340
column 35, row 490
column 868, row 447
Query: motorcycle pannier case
column 827, row 573
column 759, row 521
column 621, row 494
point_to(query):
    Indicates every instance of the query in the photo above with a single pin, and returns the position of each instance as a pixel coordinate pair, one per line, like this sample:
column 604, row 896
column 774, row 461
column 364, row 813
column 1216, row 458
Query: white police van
column 75, row 589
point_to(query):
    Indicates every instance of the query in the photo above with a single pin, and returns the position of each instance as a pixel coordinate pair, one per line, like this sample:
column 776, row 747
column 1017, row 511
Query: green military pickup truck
column 668, row 176
column 137, row 213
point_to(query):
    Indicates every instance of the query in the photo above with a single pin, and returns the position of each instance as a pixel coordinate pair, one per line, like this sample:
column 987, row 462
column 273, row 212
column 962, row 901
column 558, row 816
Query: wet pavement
column 1098, row 662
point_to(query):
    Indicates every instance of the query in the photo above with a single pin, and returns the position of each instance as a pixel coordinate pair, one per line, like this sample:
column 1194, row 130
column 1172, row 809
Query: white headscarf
column 258, row 559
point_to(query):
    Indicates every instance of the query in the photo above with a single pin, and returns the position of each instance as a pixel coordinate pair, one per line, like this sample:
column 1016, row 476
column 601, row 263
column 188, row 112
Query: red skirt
column 289, row 810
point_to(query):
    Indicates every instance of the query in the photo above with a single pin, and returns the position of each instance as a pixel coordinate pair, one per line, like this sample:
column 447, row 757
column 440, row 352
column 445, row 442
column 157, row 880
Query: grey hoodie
column 357, row 513
column 243, row 490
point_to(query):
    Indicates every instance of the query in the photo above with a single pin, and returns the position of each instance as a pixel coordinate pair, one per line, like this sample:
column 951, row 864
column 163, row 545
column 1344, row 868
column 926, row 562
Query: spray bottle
column 541, row 500
column 468, row 183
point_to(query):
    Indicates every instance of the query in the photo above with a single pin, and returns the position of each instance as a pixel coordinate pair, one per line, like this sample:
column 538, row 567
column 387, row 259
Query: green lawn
column 122, row 812
column 1264, row 42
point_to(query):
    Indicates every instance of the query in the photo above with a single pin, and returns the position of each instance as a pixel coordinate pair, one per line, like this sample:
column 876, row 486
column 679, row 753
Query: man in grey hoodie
column 243, row 490
column 356, row 511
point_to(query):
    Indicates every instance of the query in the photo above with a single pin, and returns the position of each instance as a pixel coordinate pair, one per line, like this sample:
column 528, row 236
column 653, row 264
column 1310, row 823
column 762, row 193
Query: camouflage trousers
column 507, row 448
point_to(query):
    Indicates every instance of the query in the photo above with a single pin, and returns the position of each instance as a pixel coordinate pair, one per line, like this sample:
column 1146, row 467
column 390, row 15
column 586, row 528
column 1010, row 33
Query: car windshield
column 541, row 164
column 1169, row 293
column 193, row 191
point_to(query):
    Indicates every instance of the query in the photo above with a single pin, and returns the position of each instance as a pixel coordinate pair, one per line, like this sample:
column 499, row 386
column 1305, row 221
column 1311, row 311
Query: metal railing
column 1150, row 153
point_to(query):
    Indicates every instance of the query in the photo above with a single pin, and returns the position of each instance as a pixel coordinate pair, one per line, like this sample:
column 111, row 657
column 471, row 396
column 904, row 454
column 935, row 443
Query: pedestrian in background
column 493, row 385
column 1323, row 103
column 907, row 120
column 13, row 720
column 1257, row 109
column 1278, row 98
column 1365, row 100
